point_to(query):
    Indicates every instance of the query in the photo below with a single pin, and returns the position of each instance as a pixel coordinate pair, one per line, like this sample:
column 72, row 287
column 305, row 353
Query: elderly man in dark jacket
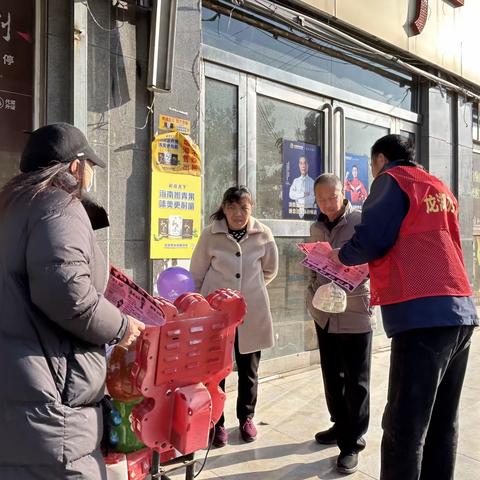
column 344, row 339
column 54, row 321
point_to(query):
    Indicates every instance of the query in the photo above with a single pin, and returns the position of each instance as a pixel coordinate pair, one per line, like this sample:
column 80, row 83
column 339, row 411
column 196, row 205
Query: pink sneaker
column 248, row 430
column 220, row 436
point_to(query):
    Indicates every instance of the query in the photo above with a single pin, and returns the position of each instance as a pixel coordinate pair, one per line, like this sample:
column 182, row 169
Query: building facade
column 263, row 83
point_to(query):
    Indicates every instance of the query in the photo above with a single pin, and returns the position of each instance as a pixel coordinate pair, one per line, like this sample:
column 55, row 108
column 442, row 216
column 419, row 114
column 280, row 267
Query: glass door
column 289, row 146
column 355, row 131
column 276, row 139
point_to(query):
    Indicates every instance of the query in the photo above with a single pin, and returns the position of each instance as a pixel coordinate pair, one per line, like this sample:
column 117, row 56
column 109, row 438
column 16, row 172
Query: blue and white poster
column 302, row 163
column 356, row 179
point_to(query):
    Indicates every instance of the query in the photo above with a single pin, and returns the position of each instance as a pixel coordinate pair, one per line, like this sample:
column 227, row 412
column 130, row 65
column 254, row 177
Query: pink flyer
column 133, row 300
column 317, row 260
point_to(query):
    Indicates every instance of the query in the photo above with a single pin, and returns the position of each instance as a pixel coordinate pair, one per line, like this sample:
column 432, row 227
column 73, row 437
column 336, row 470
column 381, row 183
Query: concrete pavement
column 291, row 409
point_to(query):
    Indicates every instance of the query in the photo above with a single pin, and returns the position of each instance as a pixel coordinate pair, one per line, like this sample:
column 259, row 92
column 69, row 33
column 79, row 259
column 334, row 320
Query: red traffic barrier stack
column 178, row 368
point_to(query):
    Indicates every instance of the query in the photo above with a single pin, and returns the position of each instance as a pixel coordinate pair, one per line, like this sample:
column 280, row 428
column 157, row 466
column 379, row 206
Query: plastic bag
column 330, row 298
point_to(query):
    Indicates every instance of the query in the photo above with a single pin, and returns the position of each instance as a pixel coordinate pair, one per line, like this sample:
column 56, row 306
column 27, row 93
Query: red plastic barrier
column 133, row 466
column 178, row 368
column 139, row 464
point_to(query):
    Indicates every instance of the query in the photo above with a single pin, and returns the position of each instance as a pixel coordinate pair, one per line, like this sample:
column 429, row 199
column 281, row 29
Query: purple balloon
column 173, row 282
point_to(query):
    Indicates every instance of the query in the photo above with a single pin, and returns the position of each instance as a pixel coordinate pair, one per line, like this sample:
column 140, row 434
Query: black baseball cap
column 57, row 142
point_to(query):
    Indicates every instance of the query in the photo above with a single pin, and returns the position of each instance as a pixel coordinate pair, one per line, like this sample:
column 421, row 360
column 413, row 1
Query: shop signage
column 421, row 14
column 16, row 72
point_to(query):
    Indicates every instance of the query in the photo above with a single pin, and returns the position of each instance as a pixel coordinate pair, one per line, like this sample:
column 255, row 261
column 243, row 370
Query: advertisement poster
column 301, row 165
column 17, row 48
column 356, row 179
column 176, row 214
column 176, row 153
column 316, row 259
column 174, row 124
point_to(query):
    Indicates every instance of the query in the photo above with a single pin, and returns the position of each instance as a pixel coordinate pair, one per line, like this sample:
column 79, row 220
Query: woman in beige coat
column 237, row 251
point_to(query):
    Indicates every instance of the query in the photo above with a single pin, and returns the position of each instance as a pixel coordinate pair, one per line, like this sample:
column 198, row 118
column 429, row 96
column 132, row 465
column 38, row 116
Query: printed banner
column 175, row 215
column 133, row 300
column 176, row 153
column 174, row 124
column 356, row 179
column 301, row 165
column 317, row 260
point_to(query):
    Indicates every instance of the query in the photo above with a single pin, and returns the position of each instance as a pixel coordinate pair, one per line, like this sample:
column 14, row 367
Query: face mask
column 90, row 185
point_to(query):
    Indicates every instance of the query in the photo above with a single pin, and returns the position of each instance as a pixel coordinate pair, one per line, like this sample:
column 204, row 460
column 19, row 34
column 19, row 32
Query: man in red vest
column 409, row 235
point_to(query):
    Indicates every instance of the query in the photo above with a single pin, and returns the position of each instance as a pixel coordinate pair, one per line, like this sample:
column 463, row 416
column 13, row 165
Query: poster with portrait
column 356, row 179
column 302, row 163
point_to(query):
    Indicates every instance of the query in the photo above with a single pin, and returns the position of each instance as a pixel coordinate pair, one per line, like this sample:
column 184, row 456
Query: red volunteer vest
column 426, row 259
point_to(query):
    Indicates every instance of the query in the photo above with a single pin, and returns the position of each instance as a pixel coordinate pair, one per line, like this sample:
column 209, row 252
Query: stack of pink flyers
column 317, row 260
column 133, row 300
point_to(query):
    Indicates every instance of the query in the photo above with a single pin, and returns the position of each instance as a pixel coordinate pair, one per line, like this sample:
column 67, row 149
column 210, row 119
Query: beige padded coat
column 219, row 261
column 358, row 316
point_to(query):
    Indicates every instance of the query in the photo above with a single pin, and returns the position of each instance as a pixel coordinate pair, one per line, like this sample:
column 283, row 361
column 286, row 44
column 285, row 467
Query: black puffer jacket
column 54, row 323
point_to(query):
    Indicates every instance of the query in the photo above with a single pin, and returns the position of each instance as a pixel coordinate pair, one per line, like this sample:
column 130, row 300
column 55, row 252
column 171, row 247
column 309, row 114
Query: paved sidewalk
column 292, row 409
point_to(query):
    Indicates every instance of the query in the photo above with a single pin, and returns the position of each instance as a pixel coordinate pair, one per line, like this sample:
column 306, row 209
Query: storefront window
column 221, row 143
column 475, row 123
column 476, row 226
column 376, row 82
column 282, row 125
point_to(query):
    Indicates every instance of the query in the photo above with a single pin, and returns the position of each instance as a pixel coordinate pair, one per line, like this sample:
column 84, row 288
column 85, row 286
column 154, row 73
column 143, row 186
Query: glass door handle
column 327, row 110
column 339, row 157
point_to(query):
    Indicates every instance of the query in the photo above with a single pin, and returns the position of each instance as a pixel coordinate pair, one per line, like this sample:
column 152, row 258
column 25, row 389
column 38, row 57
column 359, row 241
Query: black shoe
column 327, row 437
column 347, row 462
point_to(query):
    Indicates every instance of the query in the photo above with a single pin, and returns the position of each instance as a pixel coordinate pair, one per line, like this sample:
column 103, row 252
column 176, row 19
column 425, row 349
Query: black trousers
column 247, row 367
column 420, row 422
column 345, row 360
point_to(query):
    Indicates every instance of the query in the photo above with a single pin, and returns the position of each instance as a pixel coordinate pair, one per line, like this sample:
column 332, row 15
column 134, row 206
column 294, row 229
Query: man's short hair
column 394, row 147
column 328, row 179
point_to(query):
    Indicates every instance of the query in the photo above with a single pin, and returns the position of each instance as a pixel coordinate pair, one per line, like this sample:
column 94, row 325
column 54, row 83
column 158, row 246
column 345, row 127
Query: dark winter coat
column 54, row 324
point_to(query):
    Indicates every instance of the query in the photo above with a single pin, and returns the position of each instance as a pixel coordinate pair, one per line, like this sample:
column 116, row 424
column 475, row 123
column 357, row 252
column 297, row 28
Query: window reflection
column 379, row 83
column 221, row 143
column 293, row 327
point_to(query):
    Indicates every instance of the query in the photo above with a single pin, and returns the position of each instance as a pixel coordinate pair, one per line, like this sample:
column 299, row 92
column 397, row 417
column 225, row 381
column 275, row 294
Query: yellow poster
column 175, row 152
column 173, row 124
column 175, row 215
